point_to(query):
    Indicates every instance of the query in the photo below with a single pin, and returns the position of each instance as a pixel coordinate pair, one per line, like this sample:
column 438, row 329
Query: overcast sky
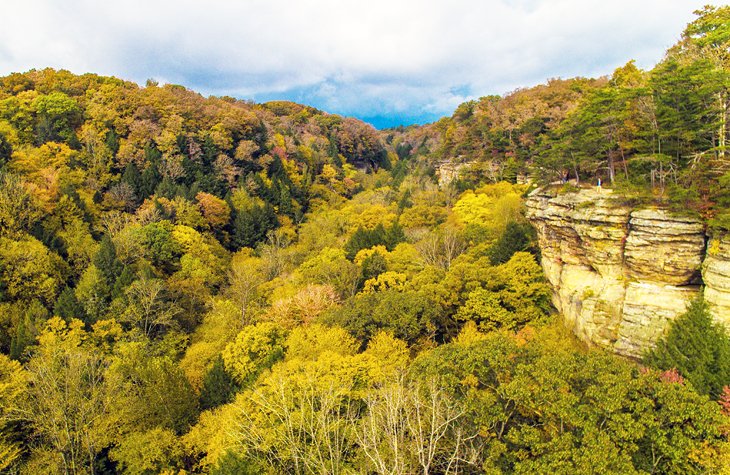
column 386, row 61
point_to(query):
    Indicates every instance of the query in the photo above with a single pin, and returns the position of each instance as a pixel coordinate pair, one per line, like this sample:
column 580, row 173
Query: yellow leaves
column 469, row 334
column 30, row 270
column 390, row 356
column 363, row 254
column 404, row 259
column 190, row 240
column 213, row 435
column 57, row 332
column 220, row 325
column 106, row 332
column 303, row 307
column 149, row 451
column 255, row 348
column 388, row 280
column 43, row 167
column 292, row 171
column 311, row 341
column 490, row 207
column 243, row 201
column 328, row 175
column 221, row 136
column 368, row 217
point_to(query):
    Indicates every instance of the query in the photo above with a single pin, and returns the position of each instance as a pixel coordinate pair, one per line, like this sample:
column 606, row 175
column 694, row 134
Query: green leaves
column 697, row 347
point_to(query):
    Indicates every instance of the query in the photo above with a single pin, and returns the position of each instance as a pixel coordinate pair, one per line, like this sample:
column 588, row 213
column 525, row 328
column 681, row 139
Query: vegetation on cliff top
column 655, row 135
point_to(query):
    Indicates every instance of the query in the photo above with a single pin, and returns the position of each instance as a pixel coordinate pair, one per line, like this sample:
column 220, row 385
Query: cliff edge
column 621, row 274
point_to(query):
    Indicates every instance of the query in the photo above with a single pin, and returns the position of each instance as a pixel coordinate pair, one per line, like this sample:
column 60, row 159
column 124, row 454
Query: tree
column 408, row 315
column 255, row 349
column 251, row 225
column 6, row 150
column 412, row 427
column 441, row 248
column 331, row 267
column 58, row 115
column 162, row 249
column 70, row 397
column 13, row 383
column 214, row 209
column 154, row 391
column 106, row 260
column 148, row 307
column 29, row 270
column 697, row 347
column 516, row 237
column 244, row 278
column 153, row 451
column 218, row 386
column 93, row 292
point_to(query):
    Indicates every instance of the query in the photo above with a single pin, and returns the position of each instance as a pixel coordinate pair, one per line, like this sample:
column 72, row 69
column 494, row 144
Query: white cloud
column 374, row 57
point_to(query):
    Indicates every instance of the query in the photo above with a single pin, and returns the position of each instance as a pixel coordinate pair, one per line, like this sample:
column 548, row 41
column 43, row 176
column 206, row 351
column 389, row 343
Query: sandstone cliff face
column 620, row 274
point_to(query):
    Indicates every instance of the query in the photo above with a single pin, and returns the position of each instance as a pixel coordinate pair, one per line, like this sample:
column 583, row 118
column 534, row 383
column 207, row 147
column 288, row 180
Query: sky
column 388, row 62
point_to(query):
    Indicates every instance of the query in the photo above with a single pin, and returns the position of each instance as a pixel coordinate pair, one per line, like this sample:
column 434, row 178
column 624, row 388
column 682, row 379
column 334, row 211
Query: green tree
column 154, row 393
column 515, row 238
column 697, row 347
column 106, row 260
column 58, row 115
column 68, row 306
column 218, row 386
column 251, row 225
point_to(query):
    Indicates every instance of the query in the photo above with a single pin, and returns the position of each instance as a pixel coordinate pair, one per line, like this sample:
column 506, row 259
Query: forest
column 209, row 285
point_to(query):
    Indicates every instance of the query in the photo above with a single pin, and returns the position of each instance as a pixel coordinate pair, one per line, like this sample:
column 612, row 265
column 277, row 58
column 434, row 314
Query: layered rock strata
column 620, row 274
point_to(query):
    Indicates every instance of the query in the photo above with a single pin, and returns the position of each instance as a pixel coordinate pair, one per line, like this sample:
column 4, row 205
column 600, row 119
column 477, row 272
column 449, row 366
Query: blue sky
column 389, row 62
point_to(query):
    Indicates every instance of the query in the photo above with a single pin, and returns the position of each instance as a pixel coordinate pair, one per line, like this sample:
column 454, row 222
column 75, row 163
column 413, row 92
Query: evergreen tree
column 68, row 306
column 394, row 235
column 367, row 238
column 123, row 281
column 250, row 226
column 132, row 177
column 150, row 179
column 6, row 150
column 697, row 347
column 373, row 266
column 516, row 237
column 106, row 260
column 24, row 336
column 27, row 330
column 218, row 386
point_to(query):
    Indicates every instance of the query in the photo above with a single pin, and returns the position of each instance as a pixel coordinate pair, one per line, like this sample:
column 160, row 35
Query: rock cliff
column 620, row 274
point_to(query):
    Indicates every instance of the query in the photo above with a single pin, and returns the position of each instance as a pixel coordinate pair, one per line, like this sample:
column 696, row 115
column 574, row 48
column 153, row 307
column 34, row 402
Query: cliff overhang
column 619, row 273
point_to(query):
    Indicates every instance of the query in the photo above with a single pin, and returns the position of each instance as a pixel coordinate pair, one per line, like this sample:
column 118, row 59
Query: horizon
column 352, row 59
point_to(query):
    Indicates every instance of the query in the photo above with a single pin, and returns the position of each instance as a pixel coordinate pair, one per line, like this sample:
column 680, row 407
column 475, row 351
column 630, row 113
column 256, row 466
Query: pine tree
column 697, row 347
column 24, row 336
column 132, row 177
column 516, row 237
column 394, row 235
column 68, row 306
column 218, row 386
column 106, row 260
column 122, row 282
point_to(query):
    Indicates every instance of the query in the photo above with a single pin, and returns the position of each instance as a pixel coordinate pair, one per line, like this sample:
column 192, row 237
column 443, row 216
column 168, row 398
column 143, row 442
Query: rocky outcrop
column 620, row 274
column 716, row 275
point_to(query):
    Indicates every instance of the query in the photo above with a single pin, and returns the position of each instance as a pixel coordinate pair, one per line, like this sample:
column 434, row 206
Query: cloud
column 410, row 59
